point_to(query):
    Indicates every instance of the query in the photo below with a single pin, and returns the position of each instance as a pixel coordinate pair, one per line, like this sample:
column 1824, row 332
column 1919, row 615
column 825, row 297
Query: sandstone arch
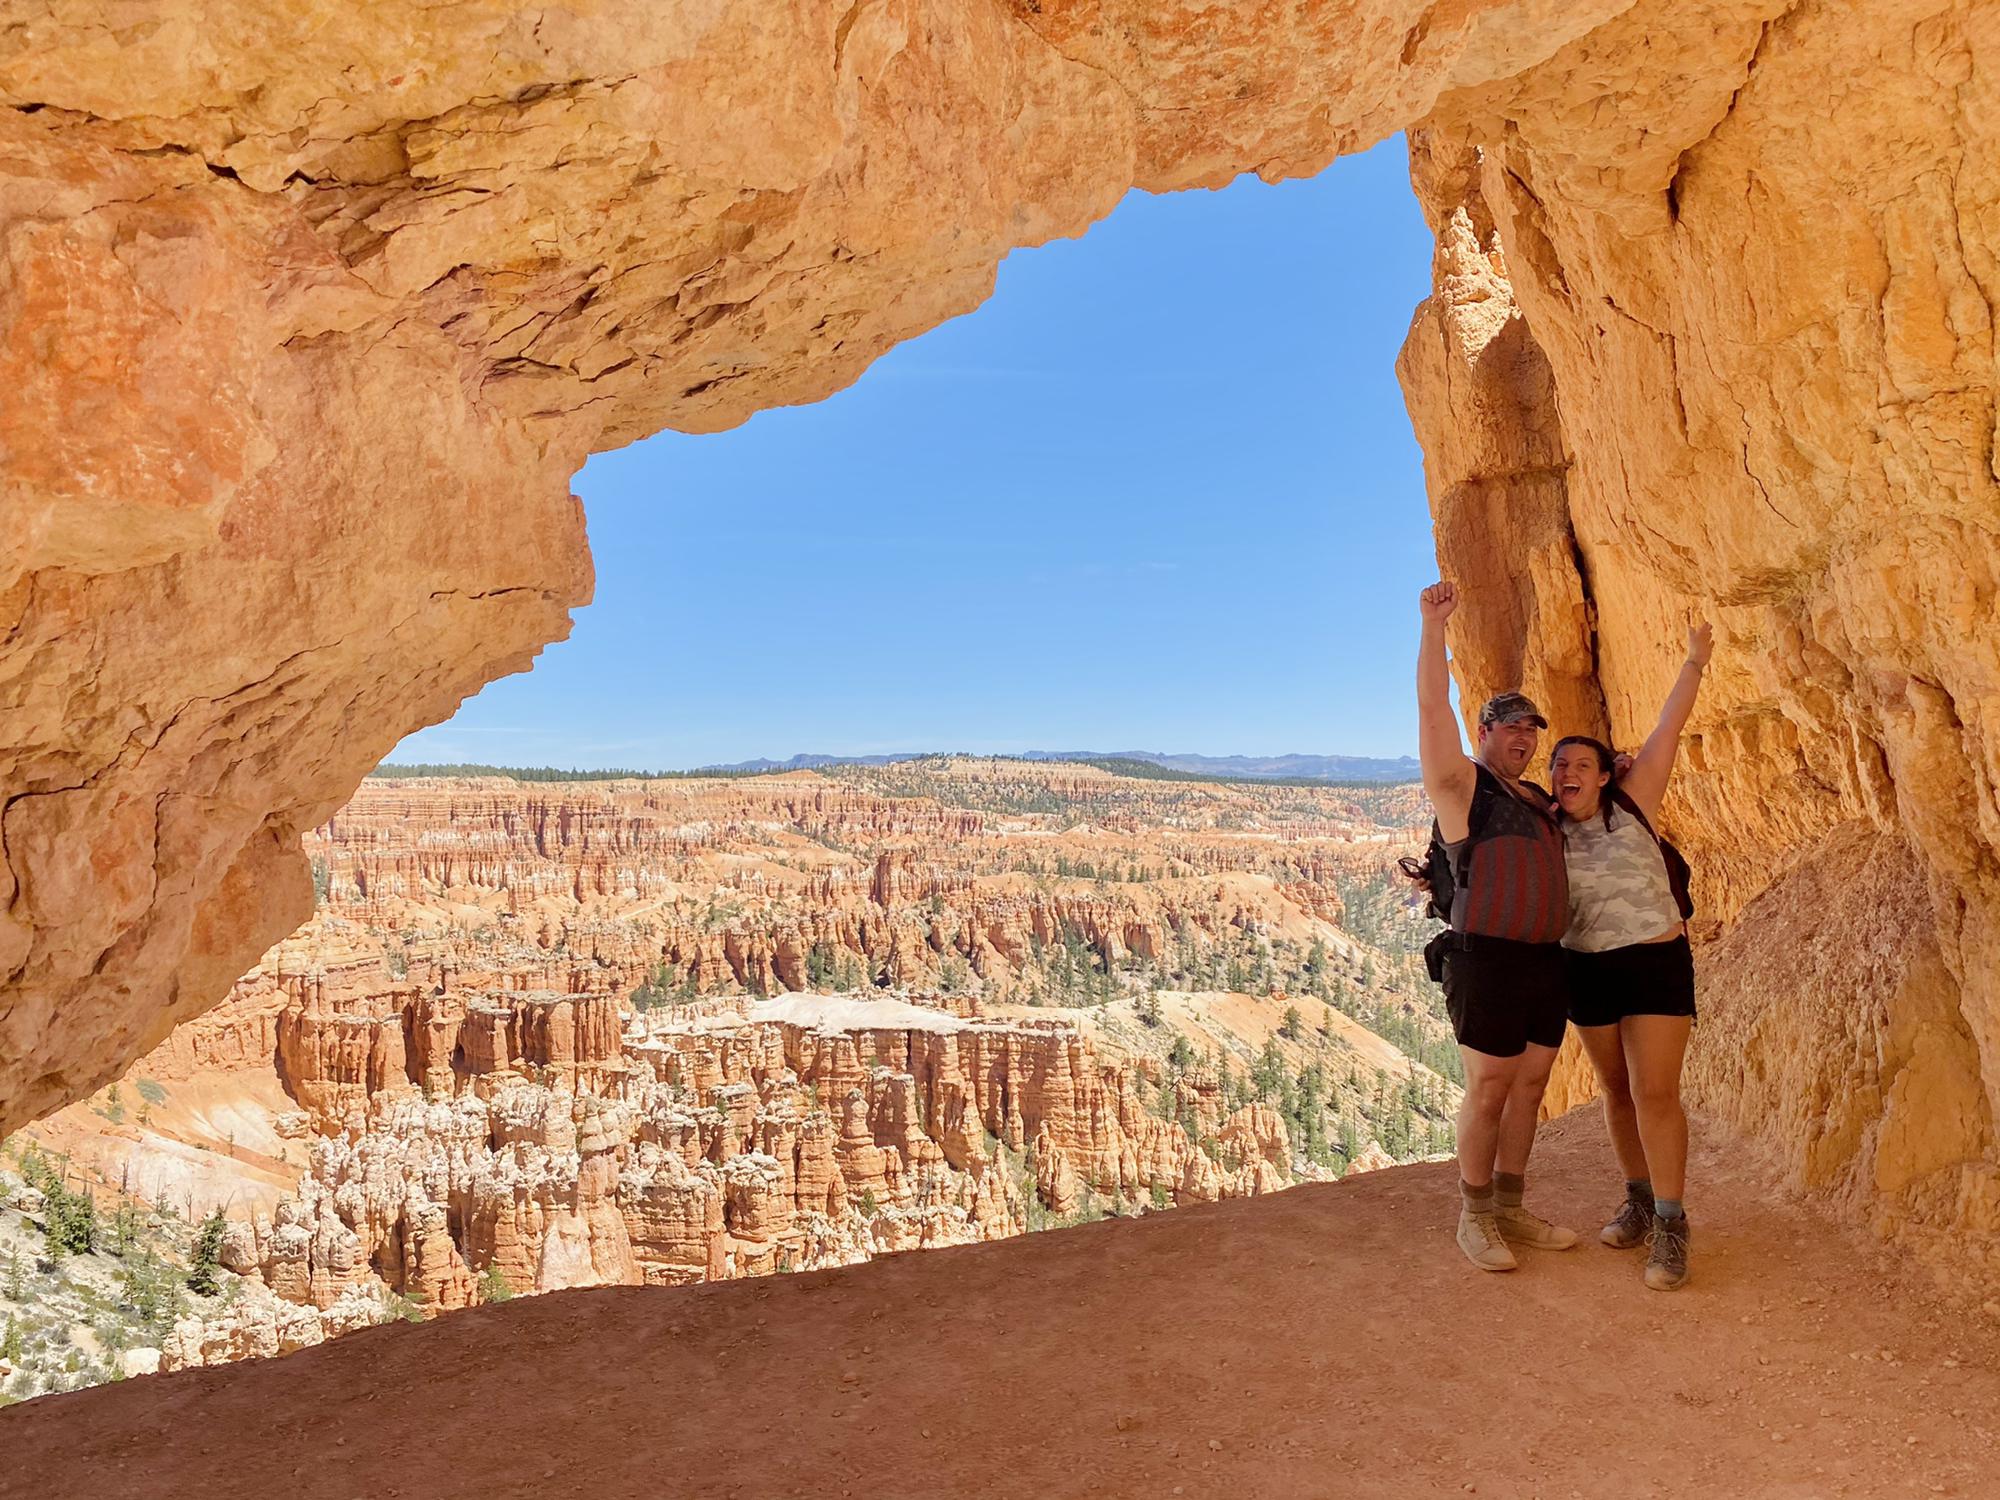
column 303, row 329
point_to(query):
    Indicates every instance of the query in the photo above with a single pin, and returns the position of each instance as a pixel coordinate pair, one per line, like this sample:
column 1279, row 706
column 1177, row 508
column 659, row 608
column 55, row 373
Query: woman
column 1631, row 975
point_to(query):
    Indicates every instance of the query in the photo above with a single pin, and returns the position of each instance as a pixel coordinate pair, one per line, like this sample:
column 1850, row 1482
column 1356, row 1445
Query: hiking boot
column 1630, row 1226
column 1531, row 1229
column 1479, row 1238
column 1667, row 1265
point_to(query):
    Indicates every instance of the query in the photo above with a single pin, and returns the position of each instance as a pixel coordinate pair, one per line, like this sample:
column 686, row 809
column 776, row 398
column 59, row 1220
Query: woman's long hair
column 1606, row 762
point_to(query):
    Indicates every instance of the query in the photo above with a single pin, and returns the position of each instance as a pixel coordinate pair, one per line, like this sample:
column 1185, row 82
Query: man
column 1503, row 966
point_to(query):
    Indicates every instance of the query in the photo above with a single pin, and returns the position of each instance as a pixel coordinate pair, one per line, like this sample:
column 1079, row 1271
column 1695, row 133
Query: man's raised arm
column 1448, row 775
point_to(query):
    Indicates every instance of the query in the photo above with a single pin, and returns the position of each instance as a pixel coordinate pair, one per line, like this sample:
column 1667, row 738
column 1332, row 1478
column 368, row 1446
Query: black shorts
column 1640, row 979
column 1502, row 996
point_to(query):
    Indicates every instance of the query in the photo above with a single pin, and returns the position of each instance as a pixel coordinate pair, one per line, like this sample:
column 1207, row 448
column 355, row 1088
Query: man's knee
column 1486, row 1093
column 1532, row 1077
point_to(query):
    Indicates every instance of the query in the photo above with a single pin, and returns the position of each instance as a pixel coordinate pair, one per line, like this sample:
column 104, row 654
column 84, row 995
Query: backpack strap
column 1678, row 874
column 1485, row 787
column 1622, row 798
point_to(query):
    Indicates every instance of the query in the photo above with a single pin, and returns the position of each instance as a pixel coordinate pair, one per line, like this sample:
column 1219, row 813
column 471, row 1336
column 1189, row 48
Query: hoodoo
column 304, row 328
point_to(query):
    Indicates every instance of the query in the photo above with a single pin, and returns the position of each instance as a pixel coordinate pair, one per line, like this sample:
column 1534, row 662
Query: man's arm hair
column 1448, row 776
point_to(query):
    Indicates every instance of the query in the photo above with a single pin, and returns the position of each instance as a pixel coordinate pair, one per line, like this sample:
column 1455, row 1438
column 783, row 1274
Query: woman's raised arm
column 1646, row 782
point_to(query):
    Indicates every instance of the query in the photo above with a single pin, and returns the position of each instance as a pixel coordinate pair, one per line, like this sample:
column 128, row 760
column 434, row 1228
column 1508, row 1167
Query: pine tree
column 207, row 1255
column 70, row 1220
column 124, row 1228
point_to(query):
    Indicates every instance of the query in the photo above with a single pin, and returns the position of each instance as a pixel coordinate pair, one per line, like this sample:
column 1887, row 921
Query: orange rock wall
column 1721, row 343
column 304, row 330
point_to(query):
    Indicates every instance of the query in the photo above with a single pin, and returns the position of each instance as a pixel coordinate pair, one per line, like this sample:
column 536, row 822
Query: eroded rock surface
column 302, row 331
column 1725, row 346
column 306, row 328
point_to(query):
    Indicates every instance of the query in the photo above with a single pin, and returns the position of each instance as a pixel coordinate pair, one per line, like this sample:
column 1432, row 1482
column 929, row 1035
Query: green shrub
column 494, row 1286
column 207, row 1256
column 71, row 1221
column 153, row 1292
column 124, row 1228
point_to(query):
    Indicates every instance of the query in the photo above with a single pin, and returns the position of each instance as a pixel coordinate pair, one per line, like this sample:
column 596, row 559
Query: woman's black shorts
column 1640, row 979
column 1502, row 996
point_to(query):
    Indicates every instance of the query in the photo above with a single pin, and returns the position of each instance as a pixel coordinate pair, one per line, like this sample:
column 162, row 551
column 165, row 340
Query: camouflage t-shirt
column 1618, row 890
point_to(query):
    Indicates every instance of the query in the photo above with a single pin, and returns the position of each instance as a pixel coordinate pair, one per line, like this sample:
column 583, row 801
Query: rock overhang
column 295, row 379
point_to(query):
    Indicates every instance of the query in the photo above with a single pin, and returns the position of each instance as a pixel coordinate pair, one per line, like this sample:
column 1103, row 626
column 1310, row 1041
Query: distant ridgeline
column 1147, row 770
column 391, row 772
column 1366, row 773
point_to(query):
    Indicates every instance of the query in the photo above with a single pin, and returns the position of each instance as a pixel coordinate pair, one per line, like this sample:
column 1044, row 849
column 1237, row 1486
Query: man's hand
column 1701, row 642
column 1620, row 764
column 1437, row 602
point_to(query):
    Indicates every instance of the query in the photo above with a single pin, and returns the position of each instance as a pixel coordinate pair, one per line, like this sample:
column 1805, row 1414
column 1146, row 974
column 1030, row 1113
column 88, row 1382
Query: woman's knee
column 1615, row 1086
column 1601, row 1044
column 1656, row 1096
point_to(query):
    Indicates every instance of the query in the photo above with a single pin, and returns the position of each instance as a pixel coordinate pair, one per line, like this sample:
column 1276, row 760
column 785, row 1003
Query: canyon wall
column 522, row 1044
column 304, row 328
column 1726, row 350
column 302, row 332
column 464, row 1146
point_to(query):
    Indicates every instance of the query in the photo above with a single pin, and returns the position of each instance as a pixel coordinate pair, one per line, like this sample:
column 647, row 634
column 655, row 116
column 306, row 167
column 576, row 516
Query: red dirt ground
column 1328, row 1341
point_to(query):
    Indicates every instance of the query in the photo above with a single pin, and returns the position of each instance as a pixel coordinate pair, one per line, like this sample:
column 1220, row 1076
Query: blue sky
column 1159, row 492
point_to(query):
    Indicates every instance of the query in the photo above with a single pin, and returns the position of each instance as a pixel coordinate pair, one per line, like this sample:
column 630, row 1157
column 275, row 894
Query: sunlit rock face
column 306, row 318
column 305, row 324
column 1715, row 289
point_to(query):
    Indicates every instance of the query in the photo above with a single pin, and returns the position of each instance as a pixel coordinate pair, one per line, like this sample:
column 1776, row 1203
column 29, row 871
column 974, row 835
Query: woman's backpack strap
column 1680, row 876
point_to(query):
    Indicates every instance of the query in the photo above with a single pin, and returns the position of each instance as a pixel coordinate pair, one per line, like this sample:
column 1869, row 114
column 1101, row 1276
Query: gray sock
column 1640, row 1189
column 1478, row 1200
column 1669, row 1208
column 1508, row 1188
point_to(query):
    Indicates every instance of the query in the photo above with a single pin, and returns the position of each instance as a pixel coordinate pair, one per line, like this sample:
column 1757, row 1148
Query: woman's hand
column 1437, row 602
column 1701, row 642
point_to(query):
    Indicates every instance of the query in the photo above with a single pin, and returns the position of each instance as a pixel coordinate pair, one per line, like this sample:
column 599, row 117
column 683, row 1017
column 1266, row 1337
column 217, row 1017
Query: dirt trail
column 1325, row 1342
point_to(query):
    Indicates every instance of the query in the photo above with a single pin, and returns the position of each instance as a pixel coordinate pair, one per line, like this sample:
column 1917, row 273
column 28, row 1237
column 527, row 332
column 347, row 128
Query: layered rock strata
column 782, row 883
column 736, row 1140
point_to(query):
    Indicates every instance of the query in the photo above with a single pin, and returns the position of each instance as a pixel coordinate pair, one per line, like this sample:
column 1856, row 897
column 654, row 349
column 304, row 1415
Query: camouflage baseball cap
column 1507, row 708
